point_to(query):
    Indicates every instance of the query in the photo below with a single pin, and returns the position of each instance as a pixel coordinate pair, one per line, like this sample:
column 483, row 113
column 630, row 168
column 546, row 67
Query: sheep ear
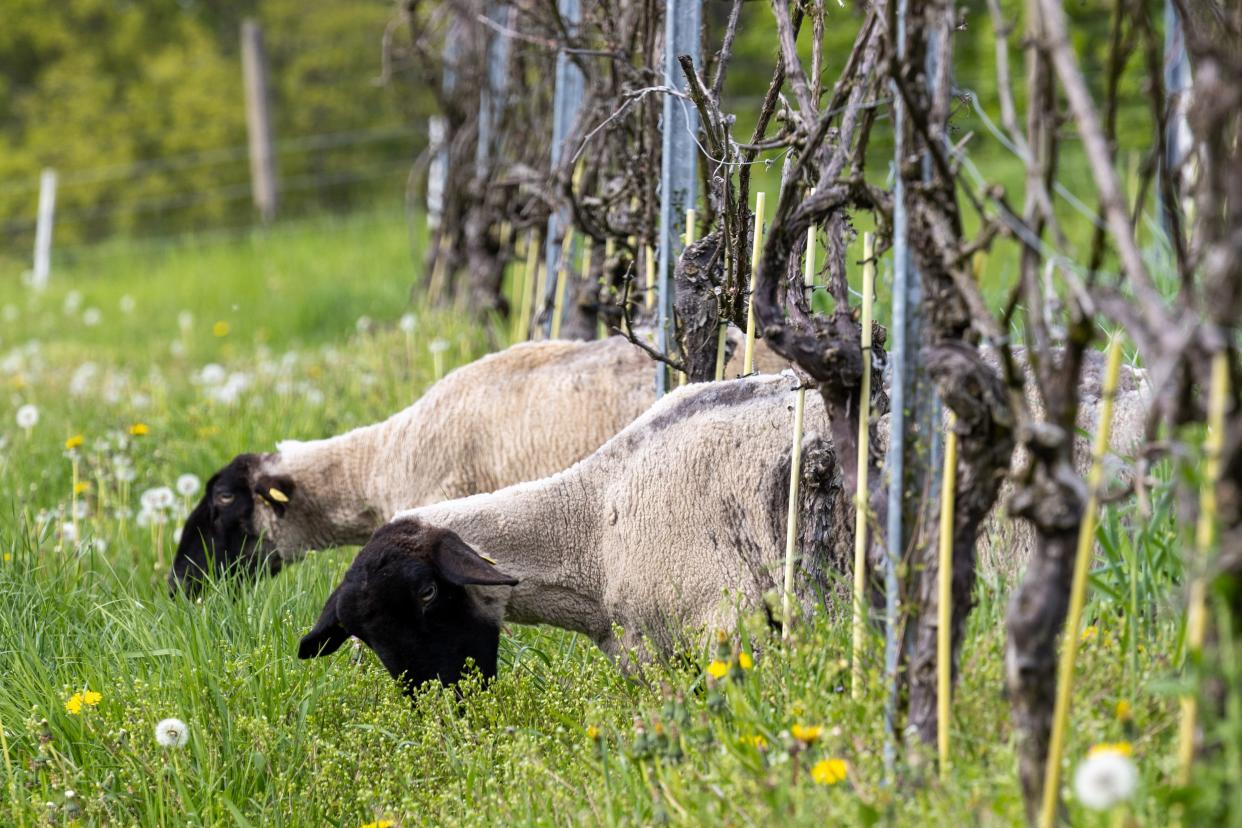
column 276, row 490
column 327, row 636
column 460, row 564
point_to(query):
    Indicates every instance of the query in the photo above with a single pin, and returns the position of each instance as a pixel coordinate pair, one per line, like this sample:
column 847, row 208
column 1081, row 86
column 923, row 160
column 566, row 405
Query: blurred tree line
column 139, row 104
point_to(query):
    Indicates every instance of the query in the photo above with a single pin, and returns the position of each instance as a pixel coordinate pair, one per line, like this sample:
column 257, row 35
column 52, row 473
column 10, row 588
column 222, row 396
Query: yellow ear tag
column 278, row 496
column 488, row 558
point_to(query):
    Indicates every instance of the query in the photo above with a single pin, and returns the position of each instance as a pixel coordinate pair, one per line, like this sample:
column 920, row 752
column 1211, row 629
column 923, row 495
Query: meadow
column 150, row 366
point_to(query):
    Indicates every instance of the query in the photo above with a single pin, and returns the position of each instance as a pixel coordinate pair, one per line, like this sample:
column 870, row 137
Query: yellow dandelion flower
column 1124, row 711
column 221, row 328
column 81, row 487
column 1089, row 633
column 1120, row 748
column 73, row 442
column 830, row 771
column 806, row 733
column 139, row 429
column 757, row 741
column 592, row 733
column 379, row 823
column 717, row 669
column 73, row 704
column 8, row 557
column 92, row 698
column 744, row 660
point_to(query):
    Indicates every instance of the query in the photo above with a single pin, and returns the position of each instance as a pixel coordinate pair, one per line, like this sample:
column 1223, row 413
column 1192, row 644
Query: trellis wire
column 678, row 161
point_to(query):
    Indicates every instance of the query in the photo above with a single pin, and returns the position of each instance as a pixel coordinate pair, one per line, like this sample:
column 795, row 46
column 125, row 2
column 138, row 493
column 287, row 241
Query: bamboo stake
column 521, row 323
column 860, row 496
column 944, row 622
column 748, row 363
column 791, row 521
column 610, row 249
column 722, row 341
column 562, row 279
column 1205, row 536
column 534, row 329
column 649, row 255
column 1078, row 591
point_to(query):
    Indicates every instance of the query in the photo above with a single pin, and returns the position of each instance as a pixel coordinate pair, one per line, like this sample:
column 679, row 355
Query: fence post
column 678, row 162
column 566, row 101
column 1177, row 82
column 259, row 120
column 43, row 230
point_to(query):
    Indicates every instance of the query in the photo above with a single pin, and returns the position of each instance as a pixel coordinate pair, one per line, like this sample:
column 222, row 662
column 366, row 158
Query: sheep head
column 405, row 597
column 220, row 537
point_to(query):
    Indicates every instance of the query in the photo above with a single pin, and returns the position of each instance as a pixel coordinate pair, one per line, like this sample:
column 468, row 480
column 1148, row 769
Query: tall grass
column 561, row 737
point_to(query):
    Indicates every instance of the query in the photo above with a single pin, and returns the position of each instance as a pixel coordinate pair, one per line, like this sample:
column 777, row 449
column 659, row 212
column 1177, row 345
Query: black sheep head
column 405, row 597
column 219, row 537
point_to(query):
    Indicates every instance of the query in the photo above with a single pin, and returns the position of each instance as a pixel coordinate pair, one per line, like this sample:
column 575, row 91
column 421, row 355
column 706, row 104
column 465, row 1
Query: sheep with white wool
column 520, row 414
column 658, row 532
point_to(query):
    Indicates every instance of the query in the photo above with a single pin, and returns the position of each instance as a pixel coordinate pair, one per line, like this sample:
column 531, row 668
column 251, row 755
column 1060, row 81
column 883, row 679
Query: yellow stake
column 562, row 279
column 1205, row 536
column 610, row 249
column 791, row 520
column 808, row 272
column 748, row 362
column 944, row 643
column 521, row 327
column 1078, row 591
column 691, row 219
column 649, row 255
column 859, row 625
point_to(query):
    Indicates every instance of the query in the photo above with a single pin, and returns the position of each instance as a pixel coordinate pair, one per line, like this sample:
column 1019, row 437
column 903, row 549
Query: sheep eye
column 224, row 498
column 428, row 593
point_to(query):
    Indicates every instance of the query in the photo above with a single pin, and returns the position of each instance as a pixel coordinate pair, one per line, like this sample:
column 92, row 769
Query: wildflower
column 408, row 322
column 69, row 532
column 437, row 346
column 92, row 317
column 717, row 669
column 1123, row 748
column 220, row 329
column 1106, row 778
column 188, row 485
column 185, row 321
column 157, row 499
column 27, row 416
column 73, row 301
column 592, row 733
column 807, row 734
column 830, row 771
column 379, row 823
column 139, row 429
column 364, row 324
column 90, row 698
column 172, row 733
column 81, row 487
column 8, row 556
column 127, row 304
column 1124, row 712
column 73, row 442
column 745, row 661
column 1089, row 633
column 756, row 741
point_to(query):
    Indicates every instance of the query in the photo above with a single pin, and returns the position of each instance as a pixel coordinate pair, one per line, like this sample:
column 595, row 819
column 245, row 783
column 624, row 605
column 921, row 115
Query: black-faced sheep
column 520, row 414
column 658, row 532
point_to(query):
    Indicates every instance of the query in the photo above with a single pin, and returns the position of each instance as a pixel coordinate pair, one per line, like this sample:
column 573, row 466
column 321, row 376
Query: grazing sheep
column 520, row 414
column 650, row 534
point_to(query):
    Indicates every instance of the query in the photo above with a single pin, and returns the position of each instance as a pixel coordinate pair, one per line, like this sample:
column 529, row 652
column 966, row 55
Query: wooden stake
column 521, row 326
column 562, row 279
column 649, row 255
column 259, row 120
column 748, row 362
column 541, row 290
column 1205, row 537
column 610, row 249
column 859, row 626
column 1078, row 592
column 944, row 621
column 791, row 520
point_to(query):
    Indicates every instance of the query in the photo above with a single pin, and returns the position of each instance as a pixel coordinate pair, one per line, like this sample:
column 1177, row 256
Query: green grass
column 561, row 737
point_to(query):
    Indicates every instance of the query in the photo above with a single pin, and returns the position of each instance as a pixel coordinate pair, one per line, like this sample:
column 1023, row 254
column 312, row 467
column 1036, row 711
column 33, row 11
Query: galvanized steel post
column 678, row 164
column 565, row 105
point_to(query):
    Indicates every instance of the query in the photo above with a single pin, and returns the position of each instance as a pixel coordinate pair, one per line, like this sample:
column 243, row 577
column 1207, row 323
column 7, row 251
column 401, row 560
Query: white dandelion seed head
column 73, row 301
column 437, row 346
column 1105, row 779
column 28, row 416
column 364, row 324
column 69, row 533
column 212, row 374
column 127, row 304
column 172, row 733
column 408, row 322
column 177, row 535
column 158, row 498
column 188, row 485
column 69, row 794
column 92, row 317
column 185, row 320
column 177, row 348
column 83, row 375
